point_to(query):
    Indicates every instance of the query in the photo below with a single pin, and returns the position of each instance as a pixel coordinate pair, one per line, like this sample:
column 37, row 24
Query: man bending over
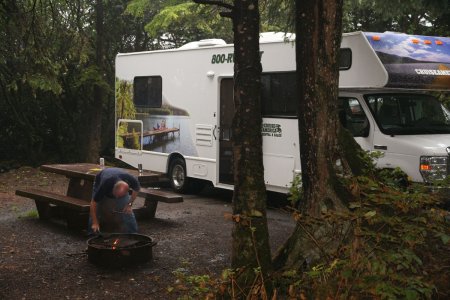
column 111, row 206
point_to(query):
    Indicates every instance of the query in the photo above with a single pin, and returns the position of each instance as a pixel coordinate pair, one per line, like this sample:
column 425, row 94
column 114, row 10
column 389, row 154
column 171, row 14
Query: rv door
column 226, row 114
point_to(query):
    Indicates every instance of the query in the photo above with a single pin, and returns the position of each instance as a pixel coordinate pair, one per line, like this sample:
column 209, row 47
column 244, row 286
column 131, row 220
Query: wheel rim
column 178, row 176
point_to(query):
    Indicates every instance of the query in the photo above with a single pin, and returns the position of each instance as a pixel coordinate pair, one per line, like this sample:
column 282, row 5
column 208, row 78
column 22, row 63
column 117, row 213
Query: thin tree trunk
column 250, row 249
column 250, row 234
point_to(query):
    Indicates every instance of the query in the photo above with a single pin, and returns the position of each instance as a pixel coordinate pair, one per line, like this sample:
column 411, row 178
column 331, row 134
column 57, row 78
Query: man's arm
column 132, row 181
column 133, row 196
column 93, row 212
column 128, row 208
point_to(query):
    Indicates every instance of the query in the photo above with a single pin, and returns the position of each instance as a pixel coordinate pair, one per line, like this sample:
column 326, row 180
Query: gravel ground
column 43, row 260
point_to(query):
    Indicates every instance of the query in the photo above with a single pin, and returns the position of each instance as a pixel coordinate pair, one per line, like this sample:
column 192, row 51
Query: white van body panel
column 364, row 60
column 405, row 151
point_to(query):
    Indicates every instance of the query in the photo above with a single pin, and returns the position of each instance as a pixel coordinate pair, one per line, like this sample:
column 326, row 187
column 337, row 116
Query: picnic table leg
column 150, row 206
column 147, row 211
column 44, row 209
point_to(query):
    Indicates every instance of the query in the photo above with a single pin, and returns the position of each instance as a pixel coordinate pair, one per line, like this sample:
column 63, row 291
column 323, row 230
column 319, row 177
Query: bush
column 394, row 243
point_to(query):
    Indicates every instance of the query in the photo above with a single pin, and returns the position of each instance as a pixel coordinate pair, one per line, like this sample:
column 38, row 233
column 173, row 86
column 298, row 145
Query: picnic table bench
column 152, row 197
column 74, row 206
column 74, row 210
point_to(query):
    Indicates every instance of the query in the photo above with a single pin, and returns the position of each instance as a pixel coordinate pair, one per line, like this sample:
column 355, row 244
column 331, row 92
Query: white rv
column 174, row 107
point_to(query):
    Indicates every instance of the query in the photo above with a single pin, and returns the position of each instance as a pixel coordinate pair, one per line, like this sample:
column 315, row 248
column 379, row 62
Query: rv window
column 403, row 114
column 345, row 59
column 147, row 91
column 279, row 95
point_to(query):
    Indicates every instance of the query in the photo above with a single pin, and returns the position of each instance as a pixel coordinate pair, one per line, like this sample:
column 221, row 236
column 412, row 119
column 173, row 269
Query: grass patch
column 31, row 214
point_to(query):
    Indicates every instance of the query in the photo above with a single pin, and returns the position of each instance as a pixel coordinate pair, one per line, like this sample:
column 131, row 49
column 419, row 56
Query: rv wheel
column 177, row 175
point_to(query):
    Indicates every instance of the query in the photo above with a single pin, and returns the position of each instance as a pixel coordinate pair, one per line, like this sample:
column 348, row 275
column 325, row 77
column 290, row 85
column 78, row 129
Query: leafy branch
column 225, row 14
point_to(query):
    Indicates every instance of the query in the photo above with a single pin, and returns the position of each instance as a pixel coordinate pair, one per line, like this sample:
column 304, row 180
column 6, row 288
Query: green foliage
column 92, row 76
column 277, row 15
column 296, row 191
column 174, row 23
column 192, row 286
column 121, row 130
column 412, row 16
column 31, row 214
column 49, row 70
column 397, row 245
column 138, row 8
column 125, row 108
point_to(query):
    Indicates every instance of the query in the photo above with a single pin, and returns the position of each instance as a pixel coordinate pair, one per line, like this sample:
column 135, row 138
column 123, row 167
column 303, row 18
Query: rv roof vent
column 204, row 43
column 271, row 37
column 394, row 32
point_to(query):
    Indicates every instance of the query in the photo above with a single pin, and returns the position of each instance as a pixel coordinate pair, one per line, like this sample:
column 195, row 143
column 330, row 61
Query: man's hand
column 128, row 209
column 95, row 227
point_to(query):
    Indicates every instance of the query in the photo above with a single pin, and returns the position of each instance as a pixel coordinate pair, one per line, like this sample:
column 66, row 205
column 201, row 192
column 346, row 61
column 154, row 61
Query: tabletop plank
column 87, row 171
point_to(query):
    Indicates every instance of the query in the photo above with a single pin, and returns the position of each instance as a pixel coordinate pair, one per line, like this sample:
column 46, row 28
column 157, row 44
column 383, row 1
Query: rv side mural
column 146, row 121
column 418, row 62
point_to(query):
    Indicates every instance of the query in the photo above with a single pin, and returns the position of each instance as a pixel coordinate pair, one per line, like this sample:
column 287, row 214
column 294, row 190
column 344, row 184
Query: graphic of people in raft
column 160, row 127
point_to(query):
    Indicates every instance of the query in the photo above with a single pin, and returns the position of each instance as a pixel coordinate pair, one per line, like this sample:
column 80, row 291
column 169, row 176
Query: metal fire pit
column 120, row 249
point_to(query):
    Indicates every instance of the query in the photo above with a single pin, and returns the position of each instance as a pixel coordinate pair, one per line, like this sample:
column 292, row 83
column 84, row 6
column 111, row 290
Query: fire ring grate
column 120, row 249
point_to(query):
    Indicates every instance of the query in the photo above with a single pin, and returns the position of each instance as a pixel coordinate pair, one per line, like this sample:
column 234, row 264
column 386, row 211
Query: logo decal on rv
column 432, row 72
column 226, row 58
column 222, row 58
column 269, row 129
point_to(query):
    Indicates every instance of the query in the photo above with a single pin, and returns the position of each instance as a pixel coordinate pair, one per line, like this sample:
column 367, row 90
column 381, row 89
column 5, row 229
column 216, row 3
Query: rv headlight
column 433, row 168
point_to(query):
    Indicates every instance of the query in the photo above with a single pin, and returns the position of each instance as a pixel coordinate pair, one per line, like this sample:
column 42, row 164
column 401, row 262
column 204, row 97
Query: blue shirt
column 105, row 180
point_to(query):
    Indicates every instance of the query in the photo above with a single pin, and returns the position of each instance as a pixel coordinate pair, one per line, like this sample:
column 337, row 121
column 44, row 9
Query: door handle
column 380, row 147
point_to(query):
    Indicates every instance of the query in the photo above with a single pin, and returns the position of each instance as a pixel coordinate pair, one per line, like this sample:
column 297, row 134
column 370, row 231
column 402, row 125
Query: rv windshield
column 402, row 114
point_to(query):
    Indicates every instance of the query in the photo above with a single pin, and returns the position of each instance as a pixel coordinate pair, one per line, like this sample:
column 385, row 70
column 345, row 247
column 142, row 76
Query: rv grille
column 448, row 166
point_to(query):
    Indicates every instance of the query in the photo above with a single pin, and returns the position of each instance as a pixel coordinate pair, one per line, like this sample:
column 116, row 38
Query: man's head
column 120, row 189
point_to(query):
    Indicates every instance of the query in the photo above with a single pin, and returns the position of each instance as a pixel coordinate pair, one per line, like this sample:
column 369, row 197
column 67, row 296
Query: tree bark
column 250, row 249
column 318, row 37
column 324, row 144
column 250, row 234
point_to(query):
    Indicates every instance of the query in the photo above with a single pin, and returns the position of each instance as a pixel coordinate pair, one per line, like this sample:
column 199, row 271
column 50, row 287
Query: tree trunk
column 250, row 234
column 318, row 34
column 323, row 142
column 250, row 249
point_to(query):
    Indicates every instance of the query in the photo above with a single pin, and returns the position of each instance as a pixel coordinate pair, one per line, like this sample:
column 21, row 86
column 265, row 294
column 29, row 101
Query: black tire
column 177, row 176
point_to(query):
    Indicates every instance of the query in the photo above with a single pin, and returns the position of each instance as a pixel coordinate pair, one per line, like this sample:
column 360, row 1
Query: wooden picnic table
column 74, row 205
column 82, row 175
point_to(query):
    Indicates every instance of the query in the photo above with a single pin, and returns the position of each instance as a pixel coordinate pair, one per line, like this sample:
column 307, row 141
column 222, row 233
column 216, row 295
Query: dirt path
column 42, row 260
